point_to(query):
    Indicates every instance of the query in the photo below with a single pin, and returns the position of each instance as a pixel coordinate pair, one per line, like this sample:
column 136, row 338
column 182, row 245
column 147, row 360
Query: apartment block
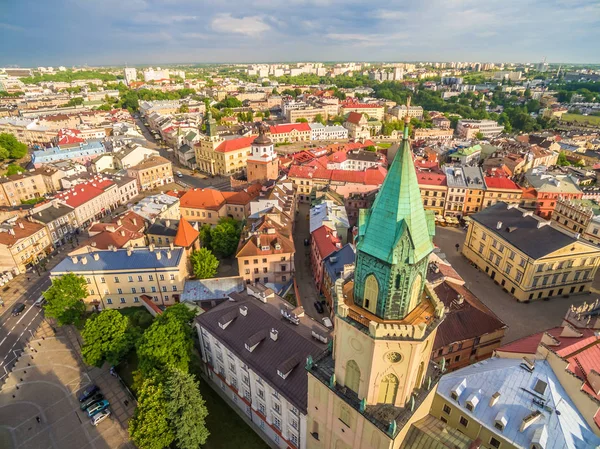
column 152, row 172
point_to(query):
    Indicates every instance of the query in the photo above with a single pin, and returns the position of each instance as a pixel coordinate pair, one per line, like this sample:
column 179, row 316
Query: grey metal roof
column 561, row 419
column 165, row 227
column 334, row 263
column 140, row 258
column 522, row 231
column 265, row 359
column 211, row 289
column 52, row 213
column 474, row 177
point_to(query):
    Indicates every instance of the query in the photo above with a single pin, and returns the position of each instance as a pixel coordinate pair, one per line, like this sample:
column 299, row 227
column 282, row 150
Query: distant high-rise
column 130, row 75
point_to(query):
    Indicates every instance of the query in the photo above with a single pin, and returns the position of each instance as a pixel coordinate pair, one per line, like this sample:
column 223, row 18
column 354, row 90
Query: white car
column 327, row 322
column 179, row 174
column 97, row 419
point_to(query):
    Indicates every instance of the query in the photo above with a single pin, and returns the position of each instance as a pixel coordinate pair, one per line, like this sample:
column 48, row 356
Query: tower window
column 371, row 293
column 397, row 281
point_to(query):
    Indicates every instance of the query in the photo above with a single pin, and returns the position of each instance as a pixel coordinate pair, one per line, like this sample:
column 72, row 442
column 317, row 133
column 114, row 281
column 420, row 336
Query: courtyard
column 522, row 319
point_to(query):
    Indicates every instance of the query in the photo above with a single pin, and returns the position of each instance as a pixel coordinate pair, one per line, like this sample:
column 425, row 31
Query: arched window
column 388, row 389
column 371, row 293
column 352, row 376
column 420, row 374
column 397, row 284
column 414, row 294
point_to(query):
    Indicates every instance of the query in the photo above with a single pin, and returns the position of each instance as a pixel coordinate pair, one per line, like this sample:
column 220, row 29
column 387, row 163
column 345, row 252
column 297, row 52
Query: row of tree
column 11, row 148
column 170, row 408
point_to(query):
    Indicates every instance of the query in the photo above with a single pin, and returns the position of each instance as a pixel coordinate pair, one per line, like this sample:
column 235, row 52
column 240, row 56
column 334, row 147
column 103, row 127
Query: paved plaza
column 522, row 319
column 44, row 384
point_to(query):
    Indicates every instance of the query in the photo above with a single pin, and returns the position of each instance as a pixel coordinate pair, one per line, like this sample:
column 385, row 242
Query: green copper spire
column 395, row 240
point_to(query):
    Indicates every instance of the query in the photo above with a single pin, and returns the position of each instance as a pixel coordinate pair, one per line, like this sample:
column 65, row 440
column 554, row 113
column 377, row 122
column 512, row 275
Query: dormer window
column 458, row 389
column 264, row 248
column 473, row 400
column 501, row 420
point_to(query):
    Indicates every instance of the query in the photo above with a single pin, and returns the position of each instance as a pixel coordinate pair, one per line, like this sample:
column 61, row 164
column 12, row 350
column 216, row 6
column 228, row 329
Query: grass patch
column 291, row 298
column 384, row 145
column 33, row 201
column 587, row 119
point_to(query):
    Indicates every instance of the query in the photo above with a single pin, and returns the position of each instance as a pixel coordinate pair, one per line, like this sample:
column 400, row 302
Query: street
column 15, row 332
column 304, row 279
column 522, row 319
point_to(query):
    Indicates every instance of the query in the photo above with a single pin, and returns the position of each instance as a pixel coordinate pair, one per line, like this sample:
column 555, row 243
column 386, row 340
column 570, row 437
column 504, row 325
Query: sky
column 135, row 32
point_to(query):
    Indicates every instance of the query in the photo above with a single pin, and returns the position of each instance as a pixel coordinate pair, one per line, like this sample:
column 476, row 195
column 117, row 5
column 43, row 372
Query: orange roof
column 203, row 199
column 22, row 229
column 354, row 117
column 235, row 144
column 529, row 193
column 186, row 234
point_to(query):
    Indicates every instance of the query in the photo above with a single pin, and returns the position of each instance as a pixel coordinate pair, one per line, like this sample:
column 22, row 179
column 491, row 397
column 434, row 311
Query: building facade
column 580, row 217
column 120, row 277
column 152, row 172
column 526, row 256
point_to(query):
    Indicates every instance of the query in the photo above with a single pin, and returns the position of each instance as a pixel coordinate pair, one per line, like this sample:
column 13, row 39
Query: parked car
column 97, row 408
column 99, row 417
column 18, row 308
column 319, row 307
column 179, row 174
column 88, row 392
column 91, row 401
column 327, row 322
column 40, row 301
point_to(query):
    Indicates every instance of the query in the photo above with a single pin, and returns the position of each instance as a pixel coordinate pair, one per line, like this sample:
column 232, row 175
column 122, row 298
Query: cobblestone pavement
column 522, row 319
column 43, row 384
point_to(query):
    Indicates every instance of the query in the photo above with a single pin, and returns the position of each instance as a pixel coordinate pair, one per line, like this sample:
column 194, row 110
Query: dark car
column 91, row 401
column 87, row 392
column 18, row 308
column 319, row 307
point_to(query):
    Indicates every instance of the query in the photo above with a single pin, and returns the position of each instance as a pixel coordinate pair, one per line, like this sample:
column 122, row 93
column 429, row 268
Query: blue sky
column 97, row 32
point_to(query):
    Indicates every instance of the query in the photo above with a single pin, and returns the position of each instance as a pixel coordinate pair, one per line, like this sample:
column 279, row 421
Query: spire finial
column 407, row 117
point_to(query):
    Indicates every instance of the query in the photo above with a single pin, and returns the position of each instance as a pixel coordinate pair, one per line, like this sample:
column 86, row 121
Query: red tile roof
column 203, row 199
column 82, row 193
column 354, row 117
column 325, row 241
column 370, row 176
column 286, row 128
column 430, row 178
column 236, row 144
column 186, row 234
column 500, row 182
column 360, row 105
column 29, row 228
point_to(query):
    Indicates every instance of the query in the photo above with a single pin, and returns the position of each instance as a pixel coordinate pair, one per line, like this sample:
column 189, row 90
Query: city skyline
column 178, row 31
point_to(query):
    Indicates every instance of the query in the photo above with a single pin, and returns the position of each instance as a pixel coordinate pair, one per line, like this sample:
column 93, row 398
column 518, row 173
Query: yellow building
column 22, row 244
column 526, row 256
column 378, row 379
column 119, row 278
column 223, row 157
column 152, row 172
column 23, row 187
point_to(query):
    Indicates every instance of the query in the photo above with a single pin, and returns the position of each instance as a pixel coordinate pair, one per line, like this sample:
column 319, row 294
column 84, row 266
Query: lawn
column 589, row 119
column 227, row 429
column 384, row 145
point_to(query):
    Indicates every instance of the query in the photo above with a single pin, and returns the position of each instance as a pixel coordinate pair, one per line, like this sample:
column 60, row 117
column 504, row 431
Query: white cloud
column 161, row 19
column 249, row 25
column 367, row 40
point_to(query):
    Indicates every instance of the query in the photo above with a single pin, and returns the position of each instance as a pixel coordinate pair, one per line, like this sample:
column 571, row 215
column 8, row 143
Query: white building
column 470, row 128
column 157, row 74
column 318, row 131
column 130, row 74
column 255, row 348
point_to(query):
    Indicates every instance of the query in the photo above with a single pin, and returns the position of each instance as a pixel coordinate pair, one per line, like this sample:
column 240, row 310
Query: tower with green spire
column 394, row 242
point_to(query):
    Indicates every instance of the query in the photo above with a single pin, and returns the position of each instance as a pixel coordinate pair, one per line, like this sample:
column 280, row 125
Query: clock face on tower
column 393, row 357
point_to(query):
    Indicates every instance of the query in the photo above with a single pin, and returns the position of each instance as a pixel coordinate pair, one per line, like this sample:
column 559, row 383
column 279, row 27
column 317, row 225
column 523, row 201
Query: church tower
column 209, row 141
column 378, row 378
column 262, row 165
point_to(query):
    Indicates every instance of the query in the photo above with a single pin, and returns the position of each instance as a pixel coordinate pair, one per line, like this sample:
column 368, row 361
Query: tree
column 186, row 410
column 184, row 108
column 180, row 312
column 205, row 236
column 16, row 149
column 562, row 159
column 108, row 337
column 301, row 120
column 65, row 299
column 165, row 344
column 267, row 113
column 479, row 136
column 76, row 101
column 149, row 428
column 204, row 263
column 225, row 237
column 4, row 154
column 274, row 91
column 13, row 169
column 319, row 119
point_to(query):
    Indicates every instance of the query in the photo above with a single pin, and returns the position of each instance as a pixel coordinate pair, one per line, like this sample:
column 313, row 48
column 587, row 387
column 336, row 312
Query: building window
column 172, row 277
column 108, row 301
column 277, row 422
column 162, row 277
column 174, row 288
column 120, row 291
column 344, row 415
column 116, row 280
column 102, row 280
column 140, row 279
column 130, row 278
column 447, row 409
column 122, row 300
column 150, row 277
column 494, row 442
column 164, row 288
column 133, row 290
column 519, row 276
column 136, row 299
column 464, row 421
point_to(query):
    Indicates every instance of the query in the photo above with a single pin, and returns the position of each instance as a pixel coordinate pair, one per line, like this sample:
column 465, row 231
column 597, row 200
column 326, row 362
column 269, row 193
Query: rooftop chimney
column 529, row 420
column 274, row 334
column 168, row 223
column 96, row 256
column 151, row 247
column 168, row 254
column 494, row 398
column 21, row 225
column 129, row 251
column 84, row 260
column 499, row 225
column 134, row 220
column 158, row 255
column 74, row 259
column 243, row 310
column 122, row 233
